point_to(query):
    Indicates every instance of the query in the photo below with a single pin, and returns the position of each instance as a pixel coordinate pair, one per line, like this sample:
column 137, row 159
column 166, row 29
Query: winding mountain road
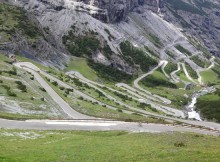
column 212, row 60
column 63, row 104
column 65, row 107
column 136, row 85
column 173, row 74
column 84, row 122
column 137, row 97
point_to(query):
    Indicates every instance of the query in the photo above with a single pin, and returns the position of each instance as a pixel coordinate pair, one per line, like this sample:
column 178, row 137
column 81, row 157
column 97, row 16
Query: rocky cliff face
column 200, row 19
column 105, row 10
column 158, row 25
column 117, row 10
column 60, row 16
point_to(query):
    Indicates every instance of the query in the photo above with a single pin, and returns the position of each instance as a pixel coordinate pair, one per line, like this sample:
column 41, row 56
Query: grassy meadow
column 58, row 146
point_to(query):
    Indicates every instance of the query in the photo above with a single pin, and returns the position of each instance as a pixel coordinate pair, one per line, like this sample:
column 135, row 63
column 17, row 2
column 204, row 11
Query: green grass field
column 182, row 76
column 115, row 146
column 80, row 65
column 209, row 76
column 157, row 79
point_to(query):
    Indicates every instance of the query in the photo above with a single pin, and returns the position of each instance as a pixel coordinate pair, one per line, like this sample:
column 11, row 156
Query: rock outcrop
column 105, row 10
column 117, row 10
column 200, row 19
column 155, row 24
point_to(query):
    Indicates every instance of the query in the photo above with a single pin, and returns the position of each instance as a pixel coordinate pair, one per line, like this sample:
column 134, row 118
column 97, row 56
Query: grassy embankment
column 209, row 76
column 106, row 146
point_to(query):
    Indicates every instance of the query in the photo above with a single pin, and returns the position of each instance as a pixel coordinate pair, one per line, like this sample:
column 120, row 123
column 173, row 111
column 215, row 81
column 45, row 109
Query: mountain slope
column 119, row 42
column 142, row 27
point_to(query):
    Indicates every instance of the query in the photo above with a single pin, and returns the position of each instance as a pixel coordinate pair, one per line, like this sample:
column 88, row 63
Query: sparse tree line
column 152, row 81
column 135, row 56
column 13, row 71
column 209, row 106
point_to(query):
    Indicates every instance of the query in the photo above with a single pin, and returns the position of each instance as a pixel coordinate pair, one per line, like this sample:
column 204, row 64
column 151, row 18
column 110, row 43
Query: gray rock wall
column 116, row 10
column 105, row 10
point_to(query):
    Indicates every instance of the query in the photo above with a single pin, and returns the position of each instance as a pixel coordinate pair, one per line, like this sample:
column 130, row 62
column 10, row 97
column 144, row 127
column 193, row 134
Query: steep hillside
column 199, row 19
column 105, row 79
column 22, row 97
column 101, row 26
column 21, row 34
column 117, row 42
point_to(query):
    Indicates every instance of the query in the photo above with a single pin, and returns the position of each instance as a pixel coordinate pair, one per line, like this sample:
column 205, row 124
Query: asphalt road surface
column 96, row 125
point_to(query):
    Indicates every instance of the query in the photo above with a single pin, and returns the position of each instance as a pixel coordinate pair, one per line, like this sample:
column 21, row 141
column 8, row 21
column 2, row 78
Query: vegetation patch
column 85, row 45
column 110, row 73
column 182, row 75
column 155, row 40
column 106, row 146
column 15, row 20
column 81, row 65
column 170, row 53
column 137, row 56
column 181, row 5
column 150, row 51
column 147, row 106
column 17, row 116
column 217, row 60
column 200, row 62
column 157, row 79
column 209, row 106
column 191, row 72
column 21, row 86
column 122, row 96
column 13, row 71
column 209, row 77
column 170, row 68
column 183, row 50
column 216, row 69
column 9, row 91
column 81, row 45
